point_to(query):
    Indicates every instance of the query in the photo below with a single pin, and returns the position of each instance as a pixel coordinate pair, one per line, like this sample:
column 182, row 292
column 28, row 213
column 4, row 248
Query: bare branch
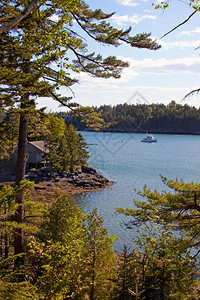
column 194, row 12
column 196, row 254
column 191, row 93
column 16, row 20
column 193, row 237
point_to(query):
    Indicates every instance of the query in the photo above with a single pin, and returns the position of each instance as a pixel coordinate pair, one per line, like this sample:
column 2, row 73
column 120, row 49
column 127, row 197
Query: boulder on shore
column 83, row 180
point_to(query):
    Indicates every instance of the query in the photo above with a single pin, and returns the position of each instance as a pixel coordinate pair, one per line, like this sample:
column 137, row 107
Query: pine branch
column 191, row 93
column 78, row 55
column 16, row 20
column 64, row 104
column 82, row 27
column 193, row 237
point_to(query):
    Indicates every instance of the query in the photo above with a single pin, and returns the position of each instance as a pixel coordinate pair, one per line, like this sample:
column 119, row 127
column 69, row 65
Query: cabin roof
column 39, row 145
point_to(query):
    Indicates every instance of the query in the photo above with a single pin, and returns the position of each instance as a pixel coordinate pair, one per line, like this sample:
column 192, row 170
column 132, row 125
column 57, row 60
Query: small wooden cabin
column 35, row 153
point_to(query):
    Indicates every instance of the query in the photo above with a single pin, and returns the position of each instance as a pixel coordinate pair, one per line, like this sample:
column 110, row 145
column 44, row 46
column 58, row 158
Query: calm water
column 122, row 157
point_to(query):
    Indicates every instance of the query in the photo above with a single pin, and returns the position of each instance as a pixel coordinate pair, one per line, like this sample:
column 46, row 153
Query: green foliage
column 18, row 291
column 9, row 126
column 161, row 5
column 125, row 276
column 67, row 149
column 159, row 268
column 62, row 234
column 179, row 208
column 8, row 208
column 13, row 280
column 165, row 4
column 167, row 260
column 101, row 258
column 89, row 117
column 8, row 205
column 77, row 257
column 61, row 220
column 39, row 40
column 174, row 118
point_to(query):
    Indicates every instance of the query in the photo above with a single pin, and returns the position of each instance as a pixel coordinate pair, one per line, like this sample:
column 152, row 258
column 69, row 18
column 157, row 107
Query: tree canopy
column 37, row 51
column 40, row 51
column 178, row 207
column 171, row 118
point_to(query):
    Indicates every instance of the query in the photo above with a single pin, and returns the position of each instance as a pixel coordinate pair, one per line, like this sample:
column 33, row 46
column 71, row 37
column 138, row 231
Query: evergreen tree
column 158, row 268
column 67, row 149
column 9, row 128
column 101, row 258
column 62, row 259
column 34, row 43
column 171, row 118
column 77, row 259
column 124, row 276
column 180, row 209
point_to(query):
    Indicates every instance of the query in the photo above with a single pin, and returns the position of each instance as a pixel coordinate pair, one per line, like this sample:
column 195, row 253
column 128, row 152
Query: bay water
column 122, row 158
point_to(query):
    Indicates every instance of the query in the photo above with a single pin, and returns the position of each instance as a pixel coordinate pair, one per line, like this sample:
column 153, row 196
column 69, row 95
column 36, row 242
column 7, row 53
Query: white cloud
column 136, row 18
column 179, row 44
column 191, row 32
column 158, row 2
column 148, row 10
column 128, row 2
column 160, row 86
column 157, row 88
column 163, row 66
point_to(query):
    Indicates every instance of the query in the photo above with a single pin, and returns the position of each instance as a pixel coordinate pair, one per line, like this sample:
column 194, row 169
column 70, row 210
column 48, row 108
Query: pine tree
column 124, row 275
column 179, row 208
column 29, row 49
column 62, row 260
column 101, row 258
column 67, row 149
column 158, row 268
column 77, row 260
column 168, row 259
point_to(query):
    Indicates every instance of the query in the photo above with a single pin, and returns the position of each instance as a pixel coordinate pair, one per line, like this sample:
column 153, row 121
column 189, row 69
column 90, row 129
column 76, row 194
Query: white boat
column 149, row 139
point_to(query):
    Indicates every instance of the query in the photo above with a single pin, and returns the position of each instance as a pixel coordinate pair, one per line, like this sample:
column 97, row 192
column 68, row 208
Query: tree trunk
column 20, row 175
column 1, row 245
column 6, row 245
column 93, row 275
column 6, row 238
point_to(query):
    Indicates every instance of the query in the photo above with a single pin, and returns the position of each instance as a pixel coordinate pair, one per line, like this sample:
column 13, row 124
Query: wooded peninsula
column 154, row 118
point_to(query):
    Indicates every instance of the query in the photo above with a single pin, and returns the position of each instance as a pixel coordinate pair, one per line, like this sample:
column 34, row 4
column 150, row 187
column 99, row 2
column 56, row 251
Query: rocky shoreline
column 83, row 180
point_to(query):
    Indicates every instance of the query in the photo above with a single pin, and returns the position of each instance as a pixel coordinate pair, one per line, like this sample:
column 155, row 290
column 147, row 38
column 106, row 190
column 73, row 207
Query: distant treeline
column 154, row 118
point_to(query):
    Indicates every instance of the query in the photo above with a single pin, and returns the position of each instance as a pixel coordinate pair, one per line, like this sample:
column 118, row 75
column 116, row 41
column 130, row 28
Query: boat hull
column 153, row 141
column 149, row 139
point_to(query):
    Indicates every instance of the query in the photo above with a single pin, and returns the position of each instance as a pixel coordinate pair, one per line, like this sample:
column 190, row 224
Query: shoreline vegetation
column 142, row 118
column 143, row 132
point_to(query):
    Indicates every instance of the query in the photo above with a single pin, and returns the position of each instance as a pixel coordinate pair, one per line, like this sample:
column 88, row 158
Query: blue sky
column 153, row 76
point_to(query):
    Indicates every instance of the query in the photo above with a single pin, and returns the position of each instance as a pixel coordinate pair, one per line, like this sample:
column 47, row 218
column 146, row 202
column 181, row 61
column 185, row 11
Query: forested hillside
column 171, row 118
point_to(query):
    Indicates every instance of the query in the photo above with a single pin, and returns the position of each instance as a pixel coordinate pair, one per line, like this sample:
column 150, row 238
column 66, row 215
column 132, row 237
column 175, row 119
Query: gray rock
column 89, row 170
